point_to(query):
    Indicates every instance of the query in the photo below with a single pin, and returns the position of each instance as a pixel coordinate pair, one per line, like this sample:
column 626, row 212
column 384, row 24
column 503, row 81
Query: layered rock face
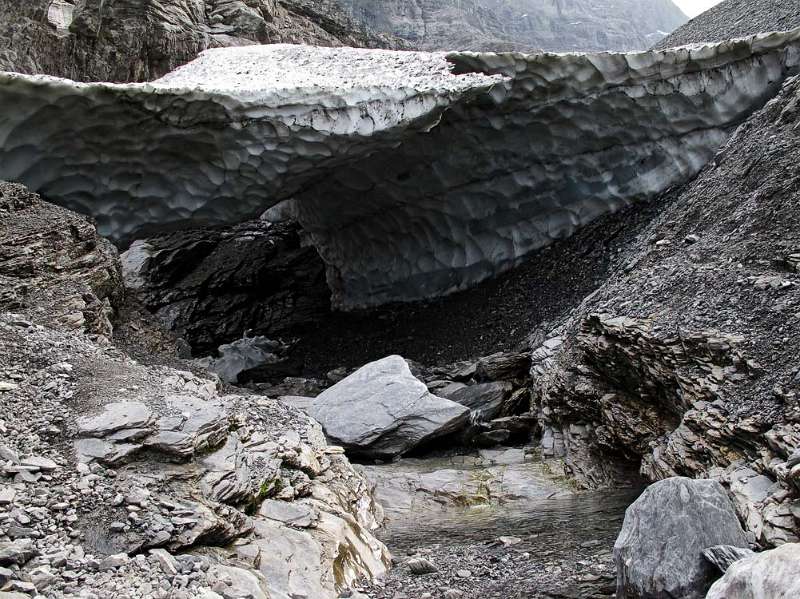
column 414, row 174
column 137, row 40
column 55, row 258
column 521, row 26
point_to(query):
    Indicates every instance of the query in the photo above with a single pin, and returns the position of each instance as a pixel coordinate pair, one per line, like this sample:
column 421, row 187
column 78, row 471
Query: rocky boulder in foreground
column 382, row 410
column 659, row 552
column 772, row 574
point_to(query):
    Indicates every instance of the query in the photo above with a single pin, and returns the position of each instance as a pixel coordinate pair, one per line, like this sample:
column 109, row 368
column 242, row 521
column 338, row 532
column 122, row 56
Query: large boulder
column 769, row 575
column 382, row 410
column 659, row 552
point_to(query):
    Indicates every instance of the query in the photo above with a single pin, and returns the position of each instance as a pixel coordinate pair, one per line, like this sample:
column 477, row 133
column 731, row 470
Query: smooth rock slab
column 108, row 453
column 115, row 416
column 291, row 513
column 659, row 552
column 382, row 410
column 773, row 574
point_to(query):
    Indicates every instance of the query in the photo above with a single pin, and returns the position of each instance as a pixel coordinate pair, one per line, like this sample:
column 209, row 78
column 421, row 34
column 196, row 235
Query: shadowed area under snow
column 414, row 174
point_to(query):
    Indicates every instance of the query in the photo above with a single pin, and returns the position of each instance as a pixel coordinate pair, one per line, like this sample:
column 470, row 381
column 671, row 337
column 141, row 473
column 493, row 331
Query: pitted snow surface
column 414, row 174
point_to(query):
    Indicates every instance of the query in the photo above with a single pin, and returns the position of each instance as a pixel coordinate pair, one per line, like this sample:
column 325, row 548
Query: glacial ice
column 414, row 174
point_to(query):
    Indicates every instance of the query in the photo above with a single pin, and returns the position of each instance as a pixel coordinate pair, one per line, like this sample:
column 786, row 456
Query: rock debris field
column 323, row 322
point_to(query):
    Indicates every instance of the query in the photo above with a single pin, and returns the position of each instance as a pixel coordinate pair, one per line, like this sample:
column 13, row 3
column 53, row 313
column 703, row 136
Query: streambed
column 498, row 524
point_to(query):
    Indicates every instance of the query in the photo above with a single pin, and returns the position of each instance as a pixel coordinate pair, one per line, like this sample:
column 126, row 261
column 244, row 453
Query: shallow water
column 559, row 522
column 454, row 509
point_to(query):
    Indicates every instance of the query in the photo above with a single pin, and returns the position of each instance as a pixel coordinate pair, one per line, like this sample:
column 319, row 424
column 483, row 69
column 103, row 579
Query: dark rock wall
column 212, row 286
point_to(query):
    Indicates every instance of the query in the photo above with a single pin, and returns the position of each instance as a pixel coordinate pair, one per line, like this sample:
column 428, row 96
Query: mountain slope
column 685, row 359
column 736, row 18
column 521, row 25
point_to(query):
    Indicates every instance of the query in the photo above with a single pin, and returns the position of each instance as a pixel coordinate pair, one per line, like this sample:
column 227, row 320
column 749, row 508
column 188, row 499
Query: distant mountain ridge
column 521, row 25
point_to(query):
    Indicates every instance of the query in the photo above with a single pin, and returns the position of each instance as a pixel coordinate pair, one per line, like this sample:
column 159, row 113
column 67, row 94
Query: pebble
column 420, row 565
column 7, row 495
column 509, row 541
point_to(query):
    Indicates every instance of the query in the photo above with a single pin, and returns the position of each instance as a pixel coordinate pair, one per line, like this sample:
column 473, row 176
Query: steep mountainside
column 521, row 25
column 685, row 360
column 138, row 40
column 736, row 18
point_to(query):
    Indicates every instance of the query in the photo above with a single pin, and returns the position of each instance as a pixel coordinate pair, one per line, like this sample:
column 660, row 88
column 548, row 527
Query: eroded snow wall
column 415, row 174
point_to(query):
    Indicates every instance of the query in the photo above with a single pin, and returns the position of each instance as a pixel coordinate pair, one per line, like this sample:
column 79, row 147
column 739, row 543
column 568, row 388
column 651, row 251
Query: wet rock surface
column 497, row 524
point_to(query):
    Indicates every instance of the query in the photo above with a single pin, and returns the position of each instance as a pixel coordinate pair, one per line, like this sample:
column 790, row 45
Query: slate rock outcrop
column 53, row 257
column 674, row 365
column 123, row 479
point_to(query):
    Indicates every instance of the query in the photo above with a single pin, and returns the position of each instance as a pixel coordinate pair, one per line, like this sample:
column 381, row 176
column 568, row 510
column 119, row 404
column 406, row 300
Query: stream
column 497, row 524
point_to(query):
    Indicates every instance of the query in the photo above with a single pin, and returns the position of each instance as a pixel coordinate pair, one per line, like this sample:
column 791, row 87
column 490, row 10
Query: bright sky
column 695, row 7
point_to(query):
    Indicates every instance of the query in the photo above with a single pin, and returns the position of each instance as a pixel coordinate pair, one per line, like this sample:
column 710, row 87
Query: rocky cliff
column 521, row 25
column 137, row 40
